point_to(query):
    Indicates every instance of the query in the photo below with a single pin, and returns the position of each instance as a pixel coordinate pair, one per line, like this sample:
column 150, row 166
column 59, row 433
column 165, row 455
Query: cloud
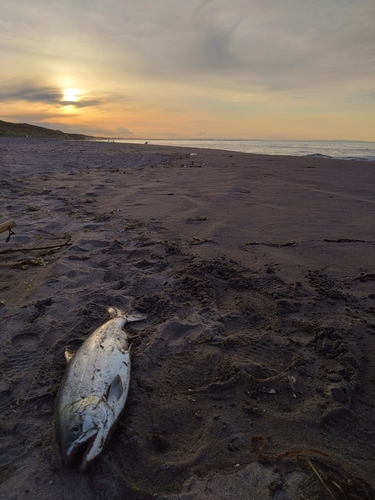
column 245, row 43
column 32, row 94
column 44, row 95
column 149, row 63
column 123, row 131
column 86, row 129
column 238, row 44
column 82, row 103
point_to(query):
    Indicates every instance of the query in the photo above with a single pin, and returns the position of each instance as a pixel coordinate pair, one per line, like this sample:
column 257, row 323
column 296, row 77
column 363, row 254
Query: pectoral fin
column 68, row 355
column 115, row 390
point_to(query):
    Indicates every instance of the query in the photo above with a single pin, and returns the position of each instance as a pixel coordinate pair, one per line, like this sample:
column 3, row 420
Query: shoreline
column 256, row 273
column 348, row 150
column 369, row 157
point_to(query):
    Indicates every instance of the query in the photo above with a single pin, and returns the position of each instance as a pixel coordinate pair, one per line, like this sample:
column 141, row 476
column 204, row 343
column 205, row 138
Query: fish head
column 83, row 430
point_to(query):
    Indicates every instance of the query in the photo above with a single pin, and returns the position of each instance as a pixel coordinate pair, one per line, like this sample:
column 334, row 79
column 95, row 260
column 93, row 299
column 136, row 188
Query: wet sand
column 254, row 373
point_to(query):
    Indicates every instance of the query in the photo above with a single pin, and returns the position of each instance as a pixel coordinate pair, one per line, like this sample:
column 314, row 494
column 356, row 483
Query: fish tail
column 134, row 316
column 128, row 317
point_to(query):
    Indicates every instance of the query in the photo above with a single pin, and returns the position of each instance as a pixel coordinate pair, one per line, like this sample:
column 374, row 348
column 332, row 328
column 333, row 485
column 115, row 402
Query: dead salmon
column 93, row 392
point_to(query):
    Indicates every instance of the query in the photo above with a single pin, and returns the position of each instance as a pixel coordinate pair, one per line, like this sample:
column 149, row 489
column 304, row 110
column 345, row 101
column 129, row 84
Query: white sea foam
column 348, row 150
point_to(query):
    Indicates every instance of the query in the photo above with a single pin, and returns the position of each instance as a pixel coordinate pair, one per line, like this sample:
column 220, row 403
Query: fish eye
column 75, row 430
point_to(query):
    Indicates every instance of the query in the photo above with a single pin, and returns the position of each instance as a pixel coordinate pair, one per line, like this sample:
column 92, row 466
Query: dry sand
column 257, row 275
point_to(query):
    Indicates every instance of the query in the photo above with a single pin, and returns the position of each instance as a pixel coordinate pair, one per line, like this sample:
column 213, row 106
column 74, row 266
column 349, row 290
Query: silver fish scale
column 101, row 358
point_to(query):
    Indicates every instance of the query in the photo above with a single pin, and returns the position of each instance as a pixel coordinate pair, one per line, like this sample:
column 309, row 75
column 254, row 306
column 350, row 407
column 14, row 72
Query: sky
column 223, row 69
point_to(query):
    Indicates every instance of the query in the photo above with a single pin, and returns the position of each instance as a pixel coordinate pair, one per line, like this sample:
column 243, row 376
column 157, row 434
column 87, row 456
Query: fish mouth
column 77, row 453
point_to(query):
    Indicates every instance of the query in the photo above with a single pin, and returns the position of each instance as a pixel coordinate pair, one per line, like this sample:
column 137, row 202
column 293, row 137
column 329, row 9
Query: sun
column 72, row 95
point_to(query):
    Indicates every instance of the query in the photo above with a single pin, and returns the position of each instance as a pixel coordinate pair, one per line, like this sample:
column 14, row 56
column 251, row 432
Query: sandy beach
column 253, row 375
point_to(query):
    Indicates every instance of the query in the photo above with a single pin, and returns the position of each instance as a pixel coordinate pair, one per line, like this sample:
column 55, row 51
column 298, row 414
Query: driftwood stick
column 54, row 247
column 6, row 225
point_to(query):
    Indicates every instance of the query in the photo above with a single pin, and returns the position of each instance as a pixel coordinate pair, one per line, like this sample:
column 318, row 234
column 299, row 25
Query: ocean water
column 347, row 150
